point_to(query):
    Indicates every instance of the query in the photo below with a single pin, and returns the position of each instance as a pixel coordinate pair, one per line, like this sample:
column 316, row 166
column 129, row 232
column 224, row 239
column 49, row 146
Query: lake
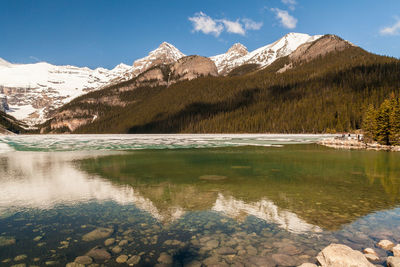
column 191, row 200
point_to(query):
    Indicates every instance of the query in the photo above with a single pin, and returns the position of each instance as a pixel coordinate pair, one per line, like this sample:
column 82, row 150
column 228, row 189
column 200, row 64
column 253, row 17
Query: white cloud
column 202, row 22
column 290, row 3
column 233, row 26
column 392, row 30
column 207, row 25
column 285, row 18
column 34, row 58
column 250, row 24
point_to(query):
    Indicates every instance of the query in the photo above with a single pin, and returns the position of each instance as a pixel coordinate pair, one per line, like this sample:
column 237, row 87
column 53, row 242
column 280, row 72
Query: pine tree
column 383, row 123
column 369, row 123
column 394, row 136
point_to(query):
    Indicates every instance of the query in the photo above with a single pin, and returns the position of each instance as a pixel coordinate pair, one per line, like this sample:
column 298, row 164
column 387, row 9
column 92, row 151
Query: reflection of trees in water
column 324, row 187
column 385, row 168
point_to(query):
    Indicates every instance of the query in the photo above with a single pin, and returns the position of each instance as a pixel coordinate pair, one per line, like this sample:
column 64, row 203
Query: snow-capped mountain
column 165, row 54
column 263, row 56
column 223, row 61
column 33, row 90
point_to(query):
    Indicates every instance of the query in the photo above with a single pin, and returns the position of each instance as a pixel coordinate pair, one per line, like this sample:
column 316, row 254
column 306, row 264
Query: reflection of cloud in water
column 42, row 181
column 45, row 180
column 265, row 210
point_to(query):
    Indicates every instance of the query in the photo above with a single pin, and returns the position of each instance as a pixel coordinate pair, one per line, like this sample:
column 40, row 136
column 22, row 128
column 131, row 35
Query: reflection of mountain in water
column 265, row 210
column 43, row 181
column 323, row 187
column 299, row 187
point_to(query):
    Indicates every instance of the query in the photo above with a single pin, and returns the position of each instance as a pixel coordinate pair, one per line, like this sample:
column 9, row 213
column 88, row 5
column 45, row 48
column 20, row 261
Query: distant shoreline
column 353, row 143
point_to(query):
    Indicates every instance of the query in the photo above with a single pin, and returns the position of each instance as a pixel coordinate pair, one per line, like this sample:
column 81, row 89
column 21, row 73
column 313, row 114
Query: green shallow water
column 241, row 205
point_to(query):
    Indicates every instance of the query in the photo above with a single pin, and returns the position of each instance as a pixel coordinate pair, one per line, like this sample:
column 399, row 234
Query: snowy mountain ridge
column 33, row 91
column 263, row 56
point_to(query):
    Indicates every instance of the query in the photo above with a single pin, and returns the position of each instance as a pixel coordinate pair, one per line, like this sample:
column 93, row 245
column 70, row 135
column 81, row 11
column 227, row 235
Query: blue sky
column 104, row 33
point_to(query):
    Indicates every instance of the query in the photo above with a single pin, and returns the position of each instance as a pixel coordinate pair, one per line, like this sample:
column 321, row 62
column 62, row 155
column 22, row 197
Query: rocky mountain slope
column 326, row 88
column 186, row 68
column 34, row 91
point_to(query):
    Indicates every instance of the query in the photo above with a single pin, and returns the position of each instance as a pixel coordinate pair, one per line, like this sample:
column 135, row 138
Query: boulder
column 308, row 265
column 370, row 254
column 98, row 233
column 396, row 250
column 393, row 262
column 336, row 255
column 386, row 244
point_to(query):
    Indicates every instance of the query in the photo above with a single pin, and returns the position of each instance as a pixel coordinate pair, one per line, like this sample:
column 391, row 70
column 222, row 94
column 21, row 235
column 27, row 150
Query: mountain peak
column 166, row 45
column 238, row 48
column 166, row 53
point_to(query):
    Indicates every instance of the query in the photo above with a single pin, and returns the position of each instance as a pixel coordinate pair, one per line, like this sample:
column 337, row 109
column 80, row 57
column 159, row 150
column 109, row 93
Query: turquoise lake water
column 194, row 200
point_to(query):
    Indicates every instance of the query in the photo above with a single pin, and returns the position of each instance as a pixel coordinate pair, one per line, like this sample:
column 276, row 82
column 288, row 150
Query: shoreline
column 353, row 143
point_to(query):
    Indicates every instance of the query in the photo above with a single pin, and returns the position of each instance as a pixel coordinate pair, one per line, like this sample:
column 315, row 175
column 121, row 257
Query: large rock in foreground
column 393, row 262
column 336, row 255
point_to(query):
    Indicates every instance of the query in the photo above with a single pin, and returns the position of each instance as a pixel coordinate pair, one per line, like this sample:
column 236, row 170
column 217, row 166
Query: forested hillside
column 9, row 124
column 326, row 93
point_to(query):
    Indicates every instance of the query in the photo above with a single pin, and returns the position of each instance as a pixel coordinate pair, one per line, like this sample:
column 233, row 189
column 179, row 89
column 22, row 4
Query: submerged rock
column 284, row 260
column 109, row 242
column 386, row 244
column 20, row 257
column 121, row 259
column 165, row 258
column 123, row 243
column 98, row 233
column 135, row 259
column 38, row 238
column 74, row 264
column 261, row 261
column 83, row 260
column 226, row 251
column 116, row 249
column 336, row 255
column 7, row 241
column 99, row 254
